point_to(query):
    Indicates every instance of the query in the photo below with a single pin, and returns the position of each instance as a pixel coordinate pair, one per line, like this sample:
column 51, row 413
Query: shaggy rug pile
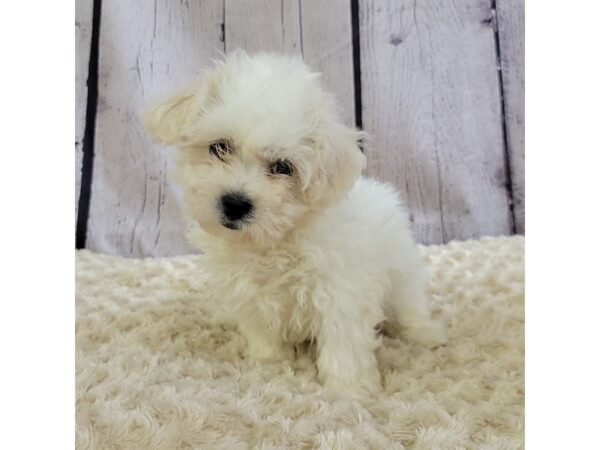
column 153, row 372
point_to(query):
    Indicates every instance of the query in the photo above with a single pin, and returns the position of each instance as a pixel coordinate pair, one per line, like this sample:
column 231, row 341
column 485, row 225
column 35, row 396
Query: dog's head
column 261, row 147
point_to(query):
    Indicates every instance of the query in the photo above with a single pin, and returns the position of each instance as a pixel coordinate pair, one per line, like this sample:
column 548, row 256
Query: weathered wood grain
column 83, row 38
column 511, row 34
column 431, row 101
column 146, row 48
column 327, row 47
column 319, row 31
column 262, row 25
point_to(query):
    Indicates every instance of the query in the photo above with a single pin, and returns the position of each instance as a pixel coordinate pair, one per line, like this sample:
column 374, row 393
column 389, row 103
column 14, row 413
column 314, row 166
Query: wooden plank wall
column 431, row 102
column 436, row 84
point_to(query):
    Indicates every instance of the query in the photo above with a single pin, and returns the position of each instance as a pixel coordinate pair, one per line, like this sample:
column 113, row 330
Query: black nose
column 235, row 206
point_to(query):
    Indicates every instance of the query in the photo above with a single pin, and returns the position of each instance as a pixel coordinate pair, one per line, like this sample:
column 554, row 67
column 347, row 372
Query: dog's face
column 260, row 147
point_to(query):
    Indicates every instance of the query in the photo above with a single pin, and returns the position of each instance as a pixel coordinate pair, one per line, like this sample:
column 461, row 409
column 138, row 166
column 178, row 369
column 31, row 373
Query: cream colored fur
column 154, row 371
column 326, row 256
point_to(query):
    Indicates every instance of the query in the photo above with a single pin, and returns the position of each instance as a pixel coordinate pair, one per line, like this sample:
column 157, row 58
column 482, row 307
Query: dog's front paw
column 428, row 332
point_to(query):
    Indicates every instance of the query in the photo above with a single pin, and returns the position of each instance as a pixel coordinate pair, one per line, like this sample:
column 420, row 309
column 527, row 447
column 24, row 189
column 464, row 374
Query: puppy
column 297, row 245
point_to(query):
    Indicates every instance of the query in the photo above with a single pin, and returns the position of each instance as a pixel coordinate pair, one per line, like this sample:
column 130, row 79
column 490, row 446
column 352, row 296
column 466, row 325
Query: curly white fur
column 325, row 255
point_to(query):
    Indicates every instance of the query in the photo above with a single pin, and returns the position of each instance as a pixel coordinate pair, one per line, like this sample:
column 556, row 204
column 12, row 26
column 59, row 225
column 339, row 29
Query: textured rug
column 153, row 372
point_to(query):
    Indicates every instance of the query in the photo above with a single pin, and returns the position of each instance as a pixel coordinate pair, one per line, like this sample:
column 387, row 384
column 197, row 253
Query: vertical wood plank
column 83, row 38
column 431, row 101
column 146, row 48
column 262, row 25
column 511, row 35
column 327, row 47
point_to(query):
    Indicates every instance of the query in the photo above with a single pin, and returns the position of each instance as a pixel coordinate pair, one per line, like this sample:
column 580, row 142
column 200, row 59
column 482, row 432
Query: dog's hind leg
column 407, row 310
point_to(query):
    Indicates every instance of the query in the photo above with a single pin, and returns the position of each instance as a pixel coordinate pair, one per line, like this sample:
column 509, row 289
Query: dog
column 297, row 244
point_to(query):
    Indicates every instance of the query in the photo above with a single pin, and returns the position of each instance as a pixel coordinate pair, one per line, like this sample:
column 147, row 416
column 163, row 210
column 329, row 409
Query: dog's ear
column 340, row 162
column 167, row 119
column 170, row 120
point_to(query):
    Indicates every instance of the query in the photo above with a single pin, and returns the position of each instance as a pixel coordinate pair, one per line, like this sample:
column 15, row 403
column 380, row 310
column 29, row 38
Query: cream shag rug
column 153, row 372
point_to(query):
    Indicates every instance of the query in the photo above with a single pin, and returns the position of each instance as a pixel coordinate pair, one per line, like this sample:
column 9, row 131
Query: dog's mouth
column 235, row 225
column 231, row 225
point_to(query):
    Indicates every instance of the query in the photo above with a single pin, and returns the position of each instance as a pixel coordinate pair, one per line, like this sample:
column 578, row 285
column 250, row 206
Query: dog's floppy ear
column 340, row 162
column 167, row 119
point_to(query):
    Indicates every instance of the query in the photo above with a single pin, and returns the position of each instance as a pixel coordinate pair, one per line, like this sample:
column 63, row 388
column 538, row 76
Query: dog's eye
column 220, row 148
column 282, row 167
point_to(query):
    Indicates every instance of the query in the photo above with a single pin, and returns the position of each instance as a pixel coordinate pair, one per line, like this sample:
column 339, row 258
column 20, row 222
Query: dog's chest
column 275, row 290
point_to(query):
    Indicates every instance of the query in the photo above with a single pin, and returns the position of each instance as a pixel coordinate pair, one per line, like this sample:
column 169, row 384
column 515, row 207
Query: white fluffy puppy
column 298, row 247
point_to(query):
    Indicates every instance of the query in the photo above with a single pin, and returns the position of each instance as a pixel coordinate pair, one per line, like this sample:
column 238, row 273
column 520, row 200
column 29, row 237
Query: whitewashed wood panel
column 511, row 32
column 146, row 48
column 83, row 37
column 262, row 25
column 319, row 31
column 430, row 95
column 327, row 47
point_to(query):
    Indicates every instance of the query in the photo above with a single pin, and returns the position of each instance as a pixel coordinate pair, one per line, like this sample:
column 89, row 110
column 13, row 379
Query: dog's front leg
column 264, row 344
column 346, row 343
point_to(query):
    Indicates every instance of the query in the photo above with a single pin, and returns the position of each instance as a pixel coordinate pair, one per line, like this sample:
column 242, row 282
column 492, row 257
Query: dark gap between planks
column 505, row 143
column 354, row 11
column 87, row 166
